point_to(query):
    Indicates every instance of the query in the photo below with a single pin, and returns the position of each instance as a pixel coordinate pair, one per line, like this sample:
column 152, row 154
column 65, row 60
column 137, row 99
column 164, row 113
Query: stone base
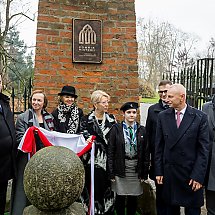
column 75, row 209
column 146, row 202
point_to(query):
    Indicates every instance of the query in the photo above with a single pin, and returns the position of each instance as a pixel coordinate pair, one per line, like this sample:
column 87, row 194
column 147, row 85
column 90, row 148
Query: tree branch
column 21, row 14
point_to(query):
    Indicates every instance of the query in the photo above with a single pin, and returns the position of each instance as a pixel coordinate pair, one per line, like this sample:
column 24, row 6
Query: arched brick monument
column 54, row 66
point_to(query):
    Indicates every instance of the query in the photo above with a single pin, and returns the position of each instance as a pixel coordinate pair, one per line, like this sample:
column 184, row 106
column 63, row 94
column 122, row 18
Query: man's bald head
column 176, row 96
column 178, row 88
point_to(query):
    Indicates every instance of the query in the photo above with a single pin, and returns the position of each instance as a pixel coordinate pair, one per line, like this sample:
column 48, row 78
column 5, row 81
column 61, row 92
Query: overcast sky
column 191, row 16
column 28, row 27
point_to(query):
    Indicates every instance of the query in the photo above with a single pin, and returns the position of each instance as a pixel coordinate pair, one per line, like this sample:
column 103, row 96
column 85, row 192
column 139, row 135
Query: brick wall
column 117, row 75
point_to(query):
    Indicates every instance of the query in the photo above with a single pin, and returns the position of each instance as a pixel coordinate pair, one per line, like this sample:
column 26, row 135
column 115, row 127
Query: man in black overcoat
column 181, row 153
column 7, row 147
column 151, row 124
column 209, row 109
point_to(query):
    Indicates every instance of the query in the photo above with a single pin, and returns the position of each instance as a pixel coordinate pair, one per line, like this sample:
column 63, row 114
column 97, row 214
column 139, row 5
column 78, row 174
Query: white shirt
column 182, row 112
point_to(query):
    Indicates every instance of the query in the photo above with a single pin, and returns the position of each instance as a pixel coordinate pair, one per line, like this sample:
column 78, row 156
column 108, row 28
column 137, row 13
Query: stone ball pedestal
column 53, row 181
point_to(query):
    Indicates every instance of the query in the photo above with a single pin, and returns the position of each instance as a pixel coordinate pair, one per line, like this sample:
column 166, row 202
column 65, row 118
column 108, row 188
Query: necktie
column 130, row 132
column 178, row 118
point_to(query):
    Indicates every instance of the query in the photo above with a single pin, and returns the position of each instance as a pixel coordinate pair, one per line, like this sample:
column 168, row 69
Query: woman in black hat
column 67, row 115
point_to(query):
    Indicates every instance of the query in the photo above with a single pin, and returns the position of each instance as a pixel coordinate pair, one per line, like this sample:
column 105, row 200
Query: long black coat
column 103, row 196
column 209, row 109
column 116, row 152
column 181, row 154
column 151, row 125
column 8, row 156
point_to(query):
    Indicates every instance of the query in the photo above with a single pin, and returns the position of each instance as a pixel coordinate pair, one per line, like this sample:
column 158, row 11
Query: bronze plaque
column 87, row 41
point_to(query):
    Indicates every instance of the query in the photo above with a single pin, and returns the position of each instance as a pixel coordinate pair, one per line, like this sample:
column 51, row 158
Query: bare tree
column 161, row 48
column 12, row 13
column 211, row 48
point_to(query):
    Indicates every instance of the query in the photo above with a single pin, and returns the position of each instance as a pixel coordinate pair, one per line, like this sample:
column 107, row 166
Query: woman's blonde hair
column 97, row 96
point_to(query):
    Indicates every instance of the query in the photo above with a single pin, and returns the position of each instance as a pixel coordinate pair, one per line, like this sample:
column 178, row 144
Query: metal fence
column 199, row 81
column 20, row 98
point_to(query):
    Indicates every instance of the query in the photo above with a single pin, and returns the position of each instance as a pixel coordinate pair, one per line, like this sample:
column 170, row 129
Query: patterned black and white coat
column 104, row 197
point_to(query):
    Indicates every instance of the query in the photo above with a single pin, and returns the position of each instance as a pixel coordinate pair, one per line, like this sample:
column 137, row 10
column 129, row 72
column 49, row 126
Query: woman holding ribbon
column 34, row 116
column 98, row 123
column 67, row 115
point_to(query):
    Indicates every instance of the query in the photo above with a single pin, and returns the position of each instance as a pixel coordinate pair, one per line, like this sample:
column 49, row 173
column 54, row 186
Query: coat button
column 182, row 153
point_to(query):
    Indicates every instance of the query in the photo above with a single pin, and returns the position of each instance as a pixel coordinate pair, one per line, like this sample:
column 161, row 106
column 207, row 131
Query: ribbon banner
column 74, row 142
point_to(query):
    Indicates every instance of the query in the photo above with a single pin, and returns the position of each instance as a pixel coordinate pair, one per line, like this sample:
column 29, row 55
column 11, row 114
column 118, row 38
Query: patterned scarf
column 104, row 126
column 48, row 120
column 132, row 140
column 69, row 114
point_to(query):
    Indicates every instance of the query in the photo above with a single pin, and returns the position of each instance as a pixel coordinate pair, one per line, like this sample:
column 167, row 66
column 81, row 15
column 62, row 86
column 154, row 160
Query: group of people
column 121, row 151
column 181, row 140
column 176, row 144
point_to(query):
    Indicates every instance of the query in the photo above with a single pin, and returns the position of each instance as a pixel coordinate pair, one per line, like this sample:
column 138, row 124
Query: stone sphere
column 53, row 178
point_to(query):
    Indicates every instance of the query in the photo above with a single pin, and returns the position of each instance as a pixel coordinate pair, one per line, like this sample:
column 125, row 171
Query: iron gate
column 20, row 98
column 199, row 81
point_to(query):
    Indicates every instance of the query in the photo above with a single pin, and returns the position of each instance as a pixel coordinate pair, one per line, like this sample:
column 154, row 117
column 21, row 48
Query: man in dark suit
column 181, row 153
column 151, row 124
column 7, row 147
column 209, row 109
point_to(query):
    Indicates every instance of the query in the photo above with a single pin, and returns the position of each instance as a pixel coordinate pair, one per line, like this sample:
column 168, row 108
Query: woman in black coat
column 67, row 115
column 8, row 147
column 128, row 159
column 98, row 123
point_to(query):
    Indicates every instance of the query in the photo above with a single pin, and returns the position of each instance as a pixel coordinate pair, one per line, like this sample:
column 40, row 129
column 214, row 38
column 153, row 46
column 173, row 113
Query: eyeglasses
column 162, row 91
column 104, row 103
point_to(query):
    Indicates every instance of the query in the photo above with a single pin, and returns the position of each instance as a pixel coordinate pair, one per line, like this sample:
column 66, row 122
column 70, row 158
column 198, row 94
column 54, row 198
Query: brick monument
column 54, row 66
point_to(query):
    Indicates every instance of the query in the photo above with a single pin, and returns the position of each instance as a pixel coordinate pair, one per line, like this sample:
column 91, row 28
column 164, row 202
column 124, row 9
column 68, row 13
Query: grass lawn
column 150, row 100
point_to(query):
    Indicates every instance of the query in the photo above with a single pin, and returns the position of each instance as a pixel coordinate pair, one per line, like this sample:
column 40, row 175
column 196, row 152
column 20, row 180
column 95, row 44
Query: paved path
column 143, row 112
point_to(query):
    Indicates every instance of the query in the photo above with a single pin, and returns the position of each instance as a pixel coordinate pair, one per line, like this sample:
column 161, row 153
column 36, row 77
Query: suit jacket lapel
column 185, row 124
column 4, row 110
column 170, row 120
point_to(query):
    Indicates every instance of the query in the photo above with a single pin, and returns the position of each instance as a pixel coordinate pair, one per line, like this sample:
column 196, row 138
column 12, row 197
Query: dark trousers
column 3, row 192
column 161, row 206
column 175, row 210
column 210, row 202
column 131, row 205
